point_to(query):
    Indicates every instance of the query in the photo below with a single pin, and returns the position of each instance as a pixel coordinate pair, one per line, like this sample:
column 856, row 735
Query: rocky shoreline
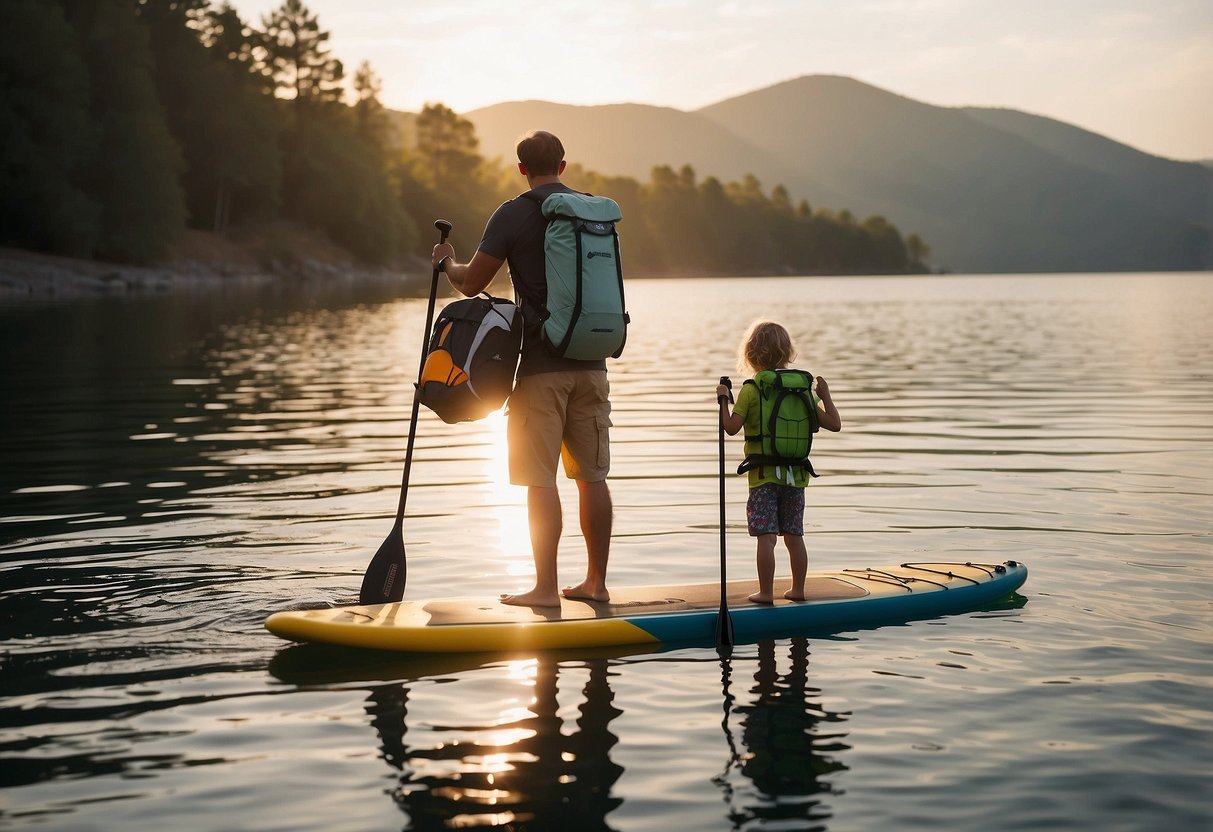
column 206, row 264
column 26, row 275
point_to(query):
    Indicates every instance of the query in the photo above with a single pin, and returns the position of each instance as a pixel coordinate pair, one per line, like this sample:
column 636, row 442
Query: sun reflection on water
column 505, row 503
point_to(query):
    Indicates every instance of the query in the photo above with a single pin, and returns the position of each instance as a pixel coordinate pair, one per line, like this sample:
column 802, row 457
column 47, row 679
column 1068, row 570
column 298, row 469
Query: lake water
column 177, row 467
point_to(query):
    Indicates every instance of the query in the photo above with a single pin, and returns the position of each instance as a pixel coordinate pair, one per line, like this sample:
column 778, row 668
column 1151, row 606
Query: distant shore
column 201, row 262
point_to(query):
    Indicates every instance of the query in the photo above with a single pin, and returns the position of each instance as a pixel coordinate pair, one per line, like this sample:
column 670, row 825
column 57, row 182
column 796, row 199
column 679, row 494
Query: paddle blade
column 724, row 629
column 383, row 582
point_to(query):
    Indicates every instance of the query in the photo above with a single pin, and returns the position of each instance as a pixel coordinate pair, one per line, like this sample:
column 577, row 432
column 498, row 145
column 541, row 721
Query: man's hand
column 442, row 250
column 471, row 278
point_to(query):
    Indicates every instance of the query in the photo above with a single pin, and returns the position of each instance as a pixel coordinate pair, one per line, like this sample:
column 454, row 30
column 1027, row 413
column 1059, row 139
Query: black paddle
column 384, row 579
column 724, row 622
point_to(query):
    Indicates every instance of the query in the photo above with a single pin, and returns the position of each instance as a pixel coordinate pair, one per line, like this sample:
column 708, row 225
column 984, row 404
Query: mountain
column 627, row 139
column 1179, row 188
column 989, row 190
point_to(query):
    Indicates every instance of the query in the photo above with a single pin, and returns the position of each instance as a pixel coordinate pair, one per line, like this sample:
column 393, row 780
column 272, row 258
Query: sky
column 1138, row 71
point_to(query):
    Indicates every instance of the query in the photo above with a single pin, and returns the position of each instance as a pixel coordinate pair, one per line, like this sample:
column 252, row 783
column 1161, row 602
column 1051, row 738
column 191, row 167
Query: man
column 559, row 408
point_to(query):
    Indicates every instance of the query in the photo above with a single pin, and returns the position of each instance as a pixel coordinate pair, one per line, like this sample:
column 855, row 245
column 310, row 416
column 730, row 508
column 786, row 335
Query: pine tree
column 222, row 31
column 918, row 251
column 444, row 175
column 446, row 146
column 294, row 56
column 47, row 136
column 134, row 175
column 227, row 129
column 369, row 114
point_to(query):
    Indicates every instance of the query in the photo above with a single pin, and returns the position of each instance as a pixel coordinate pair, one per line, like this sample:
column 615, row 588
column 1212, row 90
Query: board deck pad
column 625, row 602
column 656, row 614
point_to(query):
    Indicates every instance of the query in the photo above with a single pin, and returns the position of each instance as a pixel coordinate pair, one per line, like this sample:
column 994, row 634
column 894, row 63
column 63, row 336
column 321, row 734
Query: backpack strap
column 533, row 312
column 538, row 200
column 760, row 461
column 757, row 438
column 563, row 346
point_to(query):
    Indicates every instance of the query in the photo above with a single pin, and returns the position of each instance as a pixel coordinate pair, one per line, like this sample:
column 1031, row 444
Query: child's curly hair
column 766, row 346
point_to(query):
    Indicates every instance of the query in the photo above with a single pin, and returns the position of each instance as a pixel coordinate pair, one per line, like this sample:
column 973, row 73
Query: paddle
column 724, row 622
column 383, row 582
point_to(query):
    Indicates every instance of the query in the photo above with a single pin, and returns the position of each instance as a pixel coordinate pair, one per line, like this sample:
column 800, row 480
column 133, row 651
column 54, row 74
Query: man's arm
column 469, row 279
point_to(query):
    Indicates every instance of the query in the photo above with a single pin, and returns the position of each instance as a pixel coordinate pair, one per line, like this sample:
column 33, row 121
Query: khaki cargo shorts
column 562, row 415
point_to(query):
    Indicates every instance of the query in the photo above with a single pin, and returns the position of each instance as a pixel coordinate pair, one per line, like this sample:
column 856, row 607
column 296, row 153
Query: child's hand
column 823, row 389
column 721, row 390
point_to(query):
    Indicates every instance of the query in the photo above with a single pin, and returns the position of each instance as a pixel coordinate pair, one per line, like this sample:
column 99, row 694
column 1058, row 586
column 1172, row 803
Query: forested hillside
column 128, row 121
column 992, row 190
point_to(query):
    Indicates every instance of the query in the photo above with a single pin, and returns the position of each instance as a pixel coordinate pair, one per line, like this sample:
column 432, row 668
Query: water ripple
column 174, row 472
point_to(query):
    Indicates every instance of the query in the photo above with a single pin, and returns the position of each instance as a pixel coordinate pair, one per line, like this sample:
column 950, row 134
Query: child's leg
column 799, row 557
column 766, row 570
column 762, row 520
column 791, row 526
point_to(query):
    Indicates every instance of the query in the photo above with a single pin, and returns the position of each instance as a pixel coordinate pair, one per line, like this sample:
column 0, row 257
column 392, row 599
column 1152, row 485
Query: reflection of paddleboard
column 658, row 614
column 327, row 664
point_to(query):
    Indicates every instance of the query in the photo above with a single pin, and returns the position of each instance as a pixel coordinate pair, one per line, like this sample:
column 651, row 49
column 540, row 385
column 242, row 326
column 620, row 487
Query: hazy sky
column 1140, row 72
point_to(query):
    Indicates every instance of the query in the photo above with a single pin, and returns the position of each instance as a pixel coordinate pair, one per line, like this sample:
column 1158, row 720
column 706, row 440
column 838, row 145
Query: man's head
column 540, row 154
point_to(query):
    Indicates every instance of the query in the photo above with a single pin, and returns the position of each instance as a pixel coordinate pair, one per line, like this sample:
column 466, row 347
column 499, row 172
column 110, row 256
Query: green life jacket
column 584, row 315
column 787, row 420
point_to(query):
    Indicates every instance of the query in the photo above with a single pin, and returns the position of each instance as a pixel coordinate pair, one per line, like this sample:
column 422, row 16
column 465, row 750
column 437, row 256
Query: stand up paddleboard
column 658, row 614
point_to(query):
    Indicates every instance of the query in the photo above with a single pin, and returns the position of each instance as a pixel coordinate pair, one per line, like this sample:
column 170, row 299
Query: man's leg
column 536, row 419
column 544, row 516
column 597, row 516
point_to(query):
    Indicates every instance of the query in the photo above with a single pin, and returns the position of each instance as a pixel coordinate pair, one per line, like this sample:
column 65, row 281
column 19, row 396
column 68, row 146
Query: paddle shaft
column 724, row 622
column 444, row 228
column 383, row 581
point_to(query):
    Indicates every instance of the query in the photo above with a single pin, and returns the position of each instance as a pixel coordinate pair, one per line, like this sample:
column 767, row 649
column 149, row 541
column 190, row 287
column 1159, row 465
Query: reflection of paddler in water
column 546, row 780
column 786, row 738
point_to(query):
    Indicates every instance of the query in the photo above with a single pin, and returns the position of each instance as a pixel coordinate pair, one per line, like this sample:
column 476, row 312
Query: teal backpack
column 788, row 420
column 584, row 317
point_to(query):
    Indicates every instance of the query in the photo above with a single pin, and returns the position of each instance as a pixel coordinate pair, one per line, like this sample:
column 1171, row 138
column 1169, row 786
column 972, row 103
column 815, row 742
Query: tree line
column 127, row 121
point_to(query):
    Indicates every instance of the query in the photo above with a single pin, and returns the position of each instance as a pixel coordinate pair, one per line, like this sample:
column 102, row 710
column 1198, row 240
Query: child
column 776, row 503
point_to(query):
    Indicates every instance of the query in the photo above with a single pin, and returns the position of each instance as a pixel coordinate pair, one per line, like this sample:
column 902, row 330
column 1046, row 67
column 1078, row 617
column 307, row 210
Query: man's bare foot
column 534, row 598
column 794, row 596
column 762, row 598
column 581, row 592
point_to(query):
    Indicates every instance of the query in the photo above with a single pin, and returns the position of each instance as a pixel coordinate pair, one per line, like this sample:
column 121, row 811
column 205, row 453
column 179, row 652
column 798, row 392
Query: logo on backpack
column 584, row 316
column 788, row 420
column 472, row 357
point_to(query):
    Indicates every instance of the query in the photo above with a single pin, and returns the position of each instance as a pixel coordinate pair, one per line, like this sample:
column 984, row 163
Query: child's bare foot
column 584, row 592
column 794, row 596
column 762, row 598
column 534, row 598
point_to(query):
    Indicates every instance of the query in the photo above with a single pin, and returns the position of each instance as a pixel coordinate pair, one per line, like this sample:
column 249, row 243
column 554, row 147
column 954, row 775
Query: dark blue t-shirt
column 515, row 234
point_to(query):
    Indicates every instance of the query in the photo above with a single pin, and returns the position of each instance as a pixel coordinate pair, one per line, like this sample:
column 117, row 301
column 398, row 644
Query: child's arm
column 732, row 421
column 830, row 420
